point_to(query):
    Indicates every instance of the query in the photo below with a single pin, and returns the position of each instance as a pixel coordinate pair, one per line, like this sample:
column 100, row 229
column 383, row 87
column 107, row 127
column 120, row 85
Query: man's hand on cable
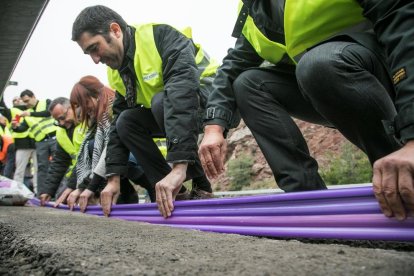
column 110, row 194
column 212, row 151
column 87, row 197
column 73, row 198
column 393, row 182
column 167, row 188
column 44, row 198
column 62, row 198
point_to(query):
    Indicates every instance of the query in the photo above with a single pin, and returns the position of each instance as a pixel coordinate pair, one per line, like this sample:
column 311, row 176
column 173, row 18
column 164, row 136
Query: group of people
column 346, row 65
column 32, row 134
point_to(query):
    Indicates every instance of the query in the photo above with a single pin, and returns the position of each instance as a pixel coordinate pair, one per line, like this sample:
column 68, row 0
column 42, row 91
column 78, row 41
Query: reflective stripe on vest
column 40, row 126
column 148, row 66
column 71, row 147
column 306, row 23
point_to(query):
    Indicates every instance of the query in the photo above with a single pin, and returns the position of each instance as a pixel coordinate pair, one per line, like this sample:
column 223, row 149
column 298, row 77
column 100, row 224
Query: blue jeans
column 337, row 84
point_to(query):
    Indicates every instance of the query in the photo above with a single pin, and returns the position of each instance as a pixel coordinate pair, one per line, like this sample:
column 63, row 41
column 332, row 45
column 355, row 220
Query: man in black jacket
column 393, row 175
column 342, row 81
column 56, row 182
column 41, row 128
column 160, row 101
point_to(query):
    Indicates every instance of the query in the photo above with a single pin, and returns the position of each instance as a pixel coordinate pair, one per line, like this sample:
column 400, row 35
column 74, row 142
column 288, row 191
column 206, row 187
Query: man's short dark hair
column 96, row 20
column 28, row 93
column 61, row 100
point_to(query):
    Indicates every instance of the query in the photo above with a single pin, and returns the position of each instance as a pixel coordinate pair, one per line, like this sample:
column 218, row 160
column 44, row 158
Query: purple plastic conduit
column 357, row 233
column 348, row 208
column 364, row 220
column 350, row 213
column 299, row 196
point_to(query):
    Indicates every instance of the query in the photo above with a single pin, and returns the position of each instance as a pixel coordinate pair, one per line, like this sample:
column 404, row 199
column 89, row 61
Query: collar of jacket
column 69, row 131
column 129, row 48
column 267, row 16
column 34, row 107
column 241, row 19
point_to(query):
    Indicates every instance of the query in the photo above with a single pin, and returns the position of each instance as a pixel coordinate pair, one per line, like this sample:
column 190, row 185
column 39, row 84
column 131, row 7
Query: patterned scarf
column 131, row 93
column 84, row 164
column 126, row 71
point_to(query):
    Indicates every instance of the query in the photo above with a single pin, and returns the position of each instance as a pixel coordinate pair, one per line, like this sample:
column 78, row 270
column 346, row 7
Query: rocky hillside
column 321, row 141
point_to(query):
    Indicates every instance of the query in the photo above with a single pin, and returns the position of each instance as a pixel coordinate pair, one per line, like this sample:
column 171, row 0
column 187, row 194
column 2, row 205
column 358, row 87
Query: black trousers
column 137, row 127
column 338, row 84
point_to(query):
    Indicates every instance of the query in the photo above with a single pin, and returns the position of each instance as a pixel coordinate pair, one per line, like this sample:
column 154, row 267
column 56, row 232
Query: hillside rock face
column 321, row 141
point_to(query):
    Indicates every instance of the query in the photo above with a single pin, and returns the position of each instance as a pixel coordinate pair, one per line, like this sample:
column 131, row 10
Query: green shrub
column 239, row 171
column 351, row 166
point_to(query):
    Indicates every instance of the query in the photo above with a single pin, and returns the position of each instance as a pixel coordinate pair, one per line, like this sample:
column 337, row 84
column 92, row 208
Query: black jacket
column 181, row 83
column 393, row 24
column 58, row 167
column 268, row 16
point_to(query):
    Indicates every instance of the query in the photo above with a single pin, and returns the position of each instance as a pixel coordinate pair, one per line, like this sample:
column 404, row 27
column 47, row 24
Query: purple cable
column 369, row 207
column 357, row 233
column 351, row 213
column 362, row 220
column 297, row 196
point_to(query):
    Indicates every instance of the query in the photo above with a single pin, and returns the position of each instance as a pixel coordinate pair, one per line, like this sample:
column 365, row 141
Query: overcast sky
column 52, row 62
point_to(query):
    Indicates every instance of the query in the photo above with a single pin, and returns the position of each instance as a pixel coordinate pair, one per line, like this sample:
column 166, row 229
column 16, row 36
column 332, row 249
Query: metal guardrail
column 268, row 191
column 275, row 191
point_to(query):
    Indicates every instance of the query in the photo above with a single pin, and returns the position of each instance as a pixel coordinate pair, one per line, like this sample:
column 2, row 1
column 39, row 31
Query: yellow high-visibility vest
column 148, row 66
column 71, row 147
column 306, row 23
column 40, row 126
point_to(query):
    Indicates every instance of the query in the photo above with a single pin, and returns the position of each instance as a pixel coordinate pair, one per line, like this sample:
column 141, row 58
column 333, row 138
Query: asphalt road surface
column 45, row 241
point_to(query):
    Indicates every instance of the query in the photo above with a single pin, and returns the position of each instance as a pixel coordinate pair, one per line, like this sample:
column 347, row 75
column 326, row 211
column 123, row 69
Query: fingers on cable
column 406, row 191
column 106, row 202
column 162, row 200
column 83, row 202
column 378, row 191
